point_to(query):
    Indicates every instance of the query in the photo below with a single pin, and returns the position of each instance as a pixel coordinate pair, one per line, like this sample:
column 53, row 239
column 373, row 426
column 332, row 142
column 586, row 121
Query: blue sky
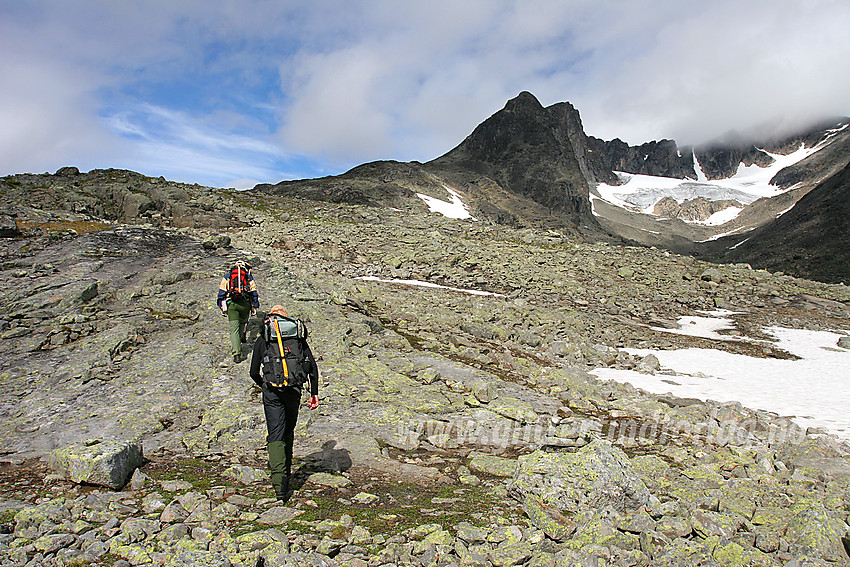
column 233, row 93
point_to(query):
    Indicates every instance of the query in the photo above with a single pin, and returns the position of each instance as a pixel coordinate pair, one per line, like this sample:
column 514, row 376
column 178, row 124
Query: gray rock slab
column 327, row 479
column 107, row 463
column 278, row 515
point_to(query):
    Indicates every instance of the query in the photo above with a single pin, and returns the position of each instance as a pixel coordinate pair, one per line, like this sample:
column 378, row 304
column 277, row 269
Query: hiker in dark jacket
column 281, row 381
column 238, row 305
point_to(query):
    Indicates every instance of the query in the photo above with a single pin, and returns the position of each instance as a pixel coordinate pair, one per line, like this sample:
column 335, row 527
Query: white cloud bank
column 337, row 83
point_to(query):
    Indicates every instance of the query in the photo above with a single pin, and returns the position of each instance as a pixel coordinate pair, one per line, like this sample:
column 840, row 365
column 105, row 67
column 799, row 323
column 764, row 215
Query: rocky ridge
column 455, row 428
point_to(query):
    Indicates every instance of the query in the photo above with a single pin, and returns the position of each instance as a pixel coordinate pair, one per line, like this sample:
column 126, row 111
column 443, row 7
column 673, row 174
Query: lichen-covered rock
column 707, row 523
column 484, row 392
column 712, row 275
column 554, row 524
column 682, row 552
column 107, row 463
column 514, row 409
column 492, row 465
column 511, row 554
column 469, row 533
column 246, row 475
column 595, row 476
column 139, row 529
column 327, row 479
column 198, row 558
column 731, row 554
column 813, row 528
column 278, row 515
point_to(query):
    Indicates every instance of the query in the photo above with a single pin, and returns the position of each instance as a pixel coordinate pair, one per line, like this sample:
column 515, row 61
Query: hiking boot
column 283, row 494
column 237, row 358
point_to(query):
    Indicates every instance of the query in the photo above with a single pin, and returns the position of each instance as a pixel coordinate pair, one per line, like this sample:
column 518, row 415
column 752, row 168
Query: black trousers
column 281, row 408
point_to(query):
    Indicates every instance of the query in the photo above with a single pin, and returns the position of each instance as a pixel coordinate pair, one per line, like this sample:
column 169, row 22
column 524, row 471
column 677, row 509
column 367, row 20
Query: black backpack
column 285, row 362
column 238, row 286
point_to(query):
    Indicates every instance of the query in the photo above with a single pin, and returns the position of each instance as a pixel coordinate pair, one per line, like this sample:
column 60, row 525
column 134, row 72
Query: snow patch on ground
column 721, row 217
column 456, row 209
column 814, row 390
column 705, row 327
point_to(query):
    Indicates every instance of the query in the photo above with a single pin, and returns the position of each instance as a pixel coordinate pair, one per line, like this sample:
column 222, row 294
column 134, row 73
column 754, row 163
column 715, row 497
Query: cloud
column 407, row 83
column 412, row 80
column 719, row 66
column 219, row 90
column 49, row 118
column 207, row 150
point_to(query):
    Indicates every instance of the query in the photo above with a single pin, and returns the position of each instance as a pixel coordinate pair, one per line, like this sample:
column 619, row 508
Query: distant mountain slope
column 696, row 212
column 812, row 240
column 716, row 159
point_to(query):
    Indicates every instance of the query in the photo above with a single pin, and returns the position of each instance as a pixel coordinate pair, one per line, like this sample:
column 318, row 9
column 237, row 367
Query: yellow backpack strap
column 282, row 357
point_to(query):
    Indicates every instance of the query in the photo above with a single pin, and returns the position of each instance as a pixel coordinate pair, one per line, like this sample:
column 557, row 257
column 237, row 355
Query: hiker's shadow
column 327, row 459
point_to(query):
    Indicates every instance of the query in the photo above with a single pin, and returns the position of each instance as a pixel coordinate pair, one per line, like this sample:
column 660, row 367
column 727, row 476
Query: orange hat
column 279, row 310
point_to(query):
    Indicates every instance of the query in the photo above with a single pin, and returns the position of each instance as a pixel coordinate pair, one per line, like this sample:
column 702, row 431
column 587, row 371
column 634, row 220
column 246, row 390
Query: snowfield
column 814, row 391
column 641, row 192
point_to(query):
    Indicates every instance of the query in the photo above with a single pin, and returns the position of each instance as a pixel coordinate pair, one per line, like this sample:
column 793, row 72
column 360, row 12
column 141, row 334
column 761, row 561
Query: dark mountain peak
column 662, row 158
column 523, row 102
column 534, row 152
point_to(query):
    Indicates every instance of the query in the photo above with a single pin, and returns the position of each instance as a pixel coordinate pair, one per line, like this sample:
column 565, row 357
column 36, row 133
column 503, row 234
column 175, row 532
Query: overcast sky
column 232, row 93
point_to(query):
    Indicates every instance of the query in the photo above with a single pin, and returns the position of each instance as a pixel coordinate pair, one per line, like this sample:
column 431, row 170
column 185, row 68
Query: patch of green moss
column 80, row 227
column 170, row 316
column 201, row 474
column 105, row 560
column 245, row 528
column 402, row 506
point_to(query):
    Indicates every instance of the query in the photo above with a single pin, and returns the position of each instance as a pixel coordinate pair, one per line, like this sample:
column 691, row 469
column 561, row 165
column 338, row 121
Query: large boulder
column 596, row 476
column 8, row 226
column 814, row 531
column 103, row 463
column 216, row 241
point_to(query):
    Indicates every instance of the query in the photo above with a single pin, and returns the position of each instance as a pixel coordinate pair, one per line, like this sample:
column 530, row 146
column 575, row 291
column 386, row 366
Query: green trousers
column 238, row 312
column 281, row 408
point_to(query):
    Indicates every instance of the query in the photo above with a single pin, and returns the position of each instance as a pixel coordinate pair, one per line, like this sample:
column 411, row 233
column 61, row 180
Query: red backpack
column 238, row 286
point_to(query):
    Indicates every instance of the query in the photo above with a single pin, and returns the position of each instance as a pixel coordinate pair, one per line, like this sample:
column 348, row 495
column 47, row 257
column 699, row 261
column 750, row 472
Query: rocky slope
column 813, row 238
column 454, row 428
